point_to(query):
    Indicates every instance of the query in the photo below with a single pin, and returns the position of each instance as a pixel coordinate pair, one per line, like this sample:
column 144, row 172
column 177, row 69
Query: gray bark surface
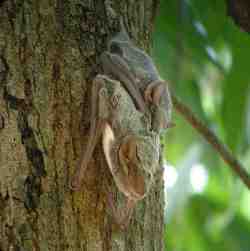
column 49, row 53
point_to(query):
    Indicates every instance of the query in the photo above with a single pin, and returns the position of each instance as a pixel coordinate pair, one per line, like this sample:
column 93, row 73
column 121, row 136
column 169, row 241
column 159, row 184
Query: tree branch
column 213, row 140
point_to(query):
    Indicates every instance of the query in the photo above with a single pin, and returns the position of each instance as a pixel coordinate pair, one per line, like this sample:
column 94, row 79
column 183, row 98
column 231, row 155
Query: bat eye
column 116, row 49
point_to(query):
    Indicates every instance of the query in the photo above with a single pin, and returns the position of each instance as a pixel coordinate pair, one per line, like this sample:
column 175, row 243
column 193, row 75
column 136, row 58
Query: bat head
column 132, row 161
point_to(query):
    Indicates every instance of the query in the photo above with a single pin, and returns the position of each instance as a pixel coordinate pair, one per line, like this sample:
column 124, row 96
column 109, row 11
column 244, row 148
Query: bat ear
column 124, row 37
column 120, row 37
column 108, row 142
column 115, row 48
column 128, row 150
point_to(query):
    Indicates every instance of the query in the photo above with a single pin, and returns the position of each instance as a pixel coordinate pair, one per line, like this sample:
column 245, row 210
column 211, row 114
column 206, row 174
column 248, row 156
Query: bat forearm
column 96, row 128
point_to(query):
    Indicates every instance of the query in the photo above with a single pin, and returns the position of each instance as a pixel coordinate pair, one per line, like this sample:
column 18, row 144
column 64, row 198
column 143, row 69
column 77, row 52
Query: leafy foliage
column 205, row 58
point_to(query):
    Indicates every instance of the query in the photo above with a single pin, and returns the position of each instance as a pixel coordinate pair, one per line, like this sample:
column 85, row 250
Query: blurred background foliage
column 205, row 57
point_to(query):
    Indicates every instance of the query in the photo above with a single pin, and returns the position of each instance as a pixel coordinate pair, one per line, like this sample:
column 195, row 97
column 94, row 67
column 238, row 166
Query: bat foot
column 154, row 92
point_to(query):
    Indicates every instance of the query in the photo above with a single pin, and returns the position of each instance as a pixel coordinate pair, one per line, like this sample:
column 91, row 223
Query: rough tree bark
column 49, row 53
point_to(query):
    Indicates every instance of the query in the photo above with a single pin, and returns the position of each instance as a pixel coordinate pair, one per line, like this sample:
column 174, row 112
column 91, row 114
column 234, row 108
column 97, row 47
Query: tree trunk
column 49, row 53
